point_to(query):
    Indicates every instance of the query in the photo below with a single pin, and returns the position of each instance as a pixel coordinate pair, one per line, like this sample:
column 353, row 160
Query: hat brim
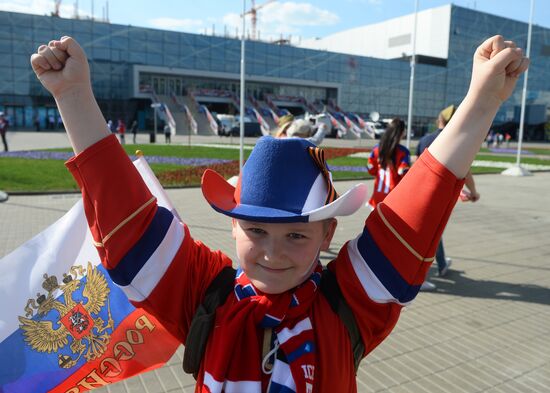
column 221, row 196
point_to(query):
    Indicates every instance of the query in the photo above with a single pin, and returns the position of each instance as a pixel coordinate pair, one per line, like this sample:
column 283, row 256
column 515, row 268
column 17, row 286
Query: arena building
column 193, row 77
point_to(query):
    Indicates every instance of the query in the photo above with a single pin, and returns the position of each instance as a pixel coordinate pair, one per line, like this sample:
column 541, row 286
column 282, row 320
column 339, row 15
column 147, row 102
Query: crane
column 253, row 11
column 57, row 6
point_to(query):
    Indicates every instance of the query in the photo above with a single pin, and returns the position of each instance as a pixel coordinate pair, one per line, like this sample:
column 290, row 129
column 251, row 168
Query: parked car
column 227, row 123
column 250, row 129
column 378, row 126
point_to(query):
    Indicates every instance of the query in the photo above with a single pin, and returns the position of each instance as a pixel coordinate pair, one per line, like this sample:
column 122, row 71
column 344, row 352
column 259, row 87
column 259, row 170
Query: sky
column 295, row 19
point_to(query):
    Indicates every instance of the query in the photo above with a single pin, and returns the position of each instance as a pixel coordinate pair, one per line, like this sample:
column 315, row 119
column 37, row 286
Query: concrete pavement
column 486, row 329
column 28, row 140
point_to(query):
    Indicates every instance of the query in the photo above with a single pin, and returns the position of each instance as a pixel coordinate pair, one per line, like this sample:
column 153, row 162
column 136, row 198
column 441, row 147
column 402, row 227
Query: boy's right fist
column 61, row 66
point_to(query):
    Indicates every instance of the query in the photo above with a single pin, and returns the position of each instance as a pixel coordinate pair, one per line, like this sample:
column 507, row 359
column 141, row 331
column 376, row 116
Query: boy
column 275, row 332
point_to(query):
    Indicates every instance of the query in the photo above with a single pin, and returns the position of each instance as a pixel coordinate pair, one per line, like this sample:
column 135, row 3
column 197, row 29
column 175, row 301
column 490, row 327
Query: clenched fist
column 497, row 66
column 61, row 66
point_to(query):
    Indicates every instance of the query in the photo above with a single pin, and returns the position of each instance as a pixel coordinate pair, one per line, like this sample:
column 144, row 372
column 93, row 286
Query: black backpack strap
column 203, row 321
column 333, row 294
column 216, row 295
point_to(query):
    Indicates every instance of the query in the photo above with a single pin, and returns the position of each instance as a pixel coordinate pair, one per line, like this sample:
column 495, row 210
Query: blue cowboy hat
column 283, row 180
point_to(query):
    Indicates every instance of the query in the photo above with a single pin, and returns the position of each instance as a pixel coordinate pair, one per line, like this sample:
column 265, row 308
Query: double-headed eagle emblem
column 61, row 320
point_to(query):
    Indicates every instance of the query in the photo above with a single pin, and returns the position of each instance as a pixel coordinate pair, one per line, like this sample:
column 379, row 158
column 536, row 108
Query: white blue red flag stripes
column 64, row 325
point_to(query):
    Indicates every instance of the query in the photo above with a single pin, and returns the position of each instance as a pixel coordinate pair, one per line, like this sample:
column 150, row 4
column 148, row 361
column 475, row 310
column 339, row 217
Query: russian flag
column 64, row 325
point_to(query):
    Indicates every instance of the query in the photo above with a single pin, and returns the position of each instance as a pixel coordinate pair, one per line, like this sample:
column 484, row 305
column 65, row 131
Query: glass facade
column 363, row 84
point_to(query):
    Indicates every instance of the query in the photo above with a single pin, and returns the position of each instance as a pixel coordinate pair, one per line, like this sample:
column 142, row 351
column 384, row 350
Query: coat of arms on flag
column 76, row 317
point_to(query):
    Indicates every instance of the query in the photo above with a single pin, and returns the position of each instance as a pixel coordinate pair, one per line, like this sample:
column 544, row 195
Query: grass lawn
column 539, row 151
column 347, row 175
column 524, row 159
column 179, row 151
column 347, row 161
column 26, row 175
column 19, row 174
column 476, row 170
column 22, row 175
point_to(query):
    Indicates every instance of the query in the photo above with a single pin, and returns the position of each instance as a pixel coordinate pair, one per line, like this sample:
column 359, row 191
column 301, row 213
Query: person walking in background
column 37, row 123
column 167, row 134
column 388, row 162
column 134, row 129
column 444, row 263
column 4, row 129
column 121, row 129
column 507, row 138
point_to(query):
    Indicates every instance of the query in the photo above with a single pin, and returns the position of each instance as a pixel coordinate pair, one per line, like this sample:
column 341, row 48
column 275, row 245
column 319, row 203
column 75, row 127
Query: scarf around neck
column 233, row 358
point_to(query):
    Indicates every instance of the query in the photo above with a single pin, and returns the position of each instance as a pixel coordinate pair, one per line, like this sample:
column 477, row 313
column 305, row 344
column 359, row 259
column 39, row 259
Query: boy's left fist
column 61, row 66
column 497, row 65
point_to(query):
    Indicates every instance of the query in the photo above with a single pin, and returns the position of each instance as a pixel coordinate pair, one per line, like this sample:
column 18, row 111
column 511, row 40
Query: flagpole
column 518, row 170
column 411, row 84
column 241, row 109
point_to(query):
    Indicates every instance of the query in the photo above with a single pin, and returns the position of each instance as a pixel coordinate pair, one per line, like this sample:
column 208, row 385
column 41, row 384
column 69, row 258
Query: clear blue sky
column 306, row 19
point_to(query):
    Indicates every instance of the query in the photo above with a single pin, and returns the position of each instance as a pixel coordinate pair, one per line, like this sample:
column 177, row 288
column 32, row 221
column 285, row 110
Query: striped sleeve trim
column 379, row 278
column 145, row 264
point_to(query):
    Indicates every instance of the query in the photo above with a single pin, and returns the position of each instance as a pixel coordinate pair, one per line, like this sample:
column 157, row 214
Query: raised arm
column 62, row 68
column 496, row 68
column 389, row 261
column 146, row 250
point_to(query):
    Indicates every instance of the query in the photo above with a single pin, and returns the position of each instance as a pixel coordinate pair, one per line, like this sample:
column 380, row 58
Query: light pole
column 242, row 106
column 518, row 170
column 153, row 135
column 411, row 84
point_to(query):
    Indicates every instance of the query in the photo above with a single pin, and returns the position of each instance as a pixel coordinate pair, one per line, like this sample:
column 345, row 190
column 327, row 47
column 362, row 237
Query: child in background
column 388, row 162
column 282, row 212
column 121, row 129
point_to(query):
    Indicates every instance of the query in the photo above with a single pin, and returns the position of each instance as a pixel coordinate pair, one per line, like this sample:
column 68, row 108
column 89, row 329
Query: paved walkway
column 486, row 329
column 26, row 140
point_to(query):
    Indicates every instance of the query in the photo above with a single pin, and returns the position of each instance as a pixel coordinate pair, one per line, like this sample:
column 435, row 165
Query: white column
column 518, row 170
column 242, row 106
column 411, row 84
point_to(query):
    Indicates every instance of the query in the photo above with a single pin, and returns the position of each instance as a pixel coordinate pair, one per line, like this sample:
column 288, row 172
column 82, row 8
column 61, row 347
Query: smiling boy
column 275, row 332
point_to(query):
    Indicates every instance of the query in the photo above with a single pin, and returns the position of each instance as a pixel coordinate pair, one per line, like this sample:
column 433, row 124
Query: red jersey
column 385, row 179
column 153, row 257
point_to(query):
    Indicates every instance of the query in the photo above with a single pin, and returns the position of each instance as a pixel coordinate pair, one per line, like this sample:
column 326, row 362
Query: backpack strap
column 216, row 294
column 203, row 321
column 334, row 296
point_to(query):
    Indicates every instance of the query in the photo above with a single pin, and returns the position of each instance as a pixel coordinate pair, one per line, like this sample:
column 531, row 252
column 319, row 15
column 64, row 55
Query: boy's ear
column 234, row 224
column 330, row 229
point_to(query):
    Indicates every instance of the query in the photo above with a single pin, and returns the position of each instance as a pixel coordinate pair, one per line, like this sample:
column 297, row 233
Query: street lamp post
column 411, row 84
column 153, row 135
column 518, row 170
column 242, row 106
